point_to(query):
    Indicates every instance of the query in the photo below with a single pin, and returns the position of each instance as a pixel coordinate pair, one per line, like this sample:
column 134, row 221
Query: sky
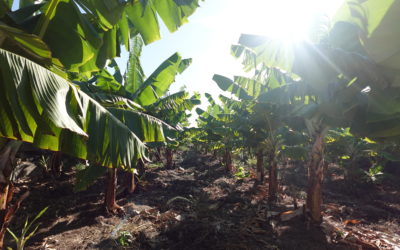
column 217, row 24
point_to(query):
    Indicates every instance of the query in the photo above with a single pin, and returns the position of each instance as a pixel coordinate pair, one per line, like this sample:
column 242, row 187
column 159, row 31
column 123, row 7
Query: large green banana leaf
column 378, row 21
column 29, row 46
column 317, row 65
column 227, row 84
column 133, row 85
column 108, row 98
column 114, row 95
column 75, row 42
column 41, row 107
column 83, row 35
column 174, row 13
column 134, row 71
column 148, row 128
column 158, row 83
column 173, row 109
column 177, row 102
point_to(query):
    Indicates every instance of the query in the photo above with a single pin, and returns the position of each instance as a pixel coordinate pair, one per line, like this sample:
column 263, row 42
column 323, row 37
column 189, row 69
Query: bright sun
column 289, row 20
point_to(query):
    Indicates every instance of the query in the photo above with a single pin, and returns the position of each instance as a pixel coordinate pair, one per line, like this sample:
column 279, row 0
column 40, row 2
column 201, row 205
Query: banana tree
column 124, row 96
column 134, row 121
column 219, row 125
column 40, row 53
column 340, row 83
column 348, row 150
column 260, row 122
column 250, row 124
column 173, row 110
column 359, row 156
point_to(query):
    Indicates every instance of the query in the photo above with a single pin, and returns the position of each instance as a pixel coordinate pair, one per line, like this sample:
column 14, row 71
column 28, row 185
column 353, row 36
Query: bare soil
column 197, row 205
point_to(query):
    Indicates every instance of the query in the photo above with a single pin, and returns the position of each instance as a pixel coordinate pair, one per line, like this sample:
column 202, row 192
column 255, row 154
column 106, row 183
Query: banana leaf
column 43, row 108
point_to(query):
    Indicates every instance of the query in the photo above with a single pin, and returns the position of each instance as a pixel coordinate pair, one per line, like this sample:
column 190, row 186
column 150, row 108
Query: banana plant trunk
column 260, row 166
column 55, row 164
column 169, row 155
column 131, row 178
column 130, row 182
column 158, row 155
column 315, row 178
column 273, row 179
column 7, row 157
column 228, row 160
column 110, row 195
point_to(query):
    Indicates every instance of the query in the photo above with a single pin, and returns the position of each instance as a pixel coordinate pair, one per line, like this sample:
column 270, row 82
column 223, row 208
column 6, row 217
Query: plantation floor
column 198, row 206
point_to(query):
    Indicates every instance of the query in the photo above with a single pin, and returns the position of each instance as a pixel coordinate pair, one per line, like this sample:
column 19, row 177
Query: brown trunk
column 110, row 195
column 228, row 161
column 260, row 166
column 55, row 164
column 315, row 177
column 5, row 194
column 158, row 154
column 130, row 182
column 7, row 157
column 273, row 180
column 215, row 154
column 169, row 156
column 131, row 178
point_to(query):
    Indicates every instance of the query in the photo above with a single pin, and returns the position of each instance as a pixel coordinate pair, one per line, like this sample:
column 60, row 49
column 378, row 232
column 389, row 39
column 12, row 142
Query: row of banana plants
column 346, row 78
column 58, row 93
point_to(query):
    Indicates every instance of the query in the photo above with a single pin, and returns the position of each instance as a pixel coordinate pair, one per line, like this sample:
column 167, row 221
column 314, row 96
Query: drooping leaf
column 40, row 107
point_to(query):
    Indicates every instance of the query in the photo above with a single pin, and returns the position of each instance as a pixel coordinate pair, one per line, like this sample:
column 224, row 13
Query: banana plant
column 220, row 129
column 128, row 97
column 359, row 155
column 348, row 151
column 261, row 120
column 340, row 81
column 55, row 108
column 40, row 54
column 173, row 110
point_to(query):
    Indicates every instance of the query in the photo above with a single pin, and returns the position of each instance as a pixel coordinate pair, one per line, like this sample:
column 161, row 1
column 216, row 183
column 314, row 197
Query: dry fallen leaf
column 351, row 222
column 288, row 215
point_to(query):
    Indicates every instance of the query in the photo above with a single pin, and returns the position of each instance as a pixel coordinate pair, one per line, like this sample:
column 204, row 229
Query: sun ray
column 289, row 20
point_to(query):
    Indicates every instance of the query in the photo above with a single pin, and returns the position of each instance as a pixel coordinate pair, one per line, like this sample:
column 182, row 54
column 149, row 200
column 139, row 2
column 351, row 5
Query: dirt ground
column 197, row 205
